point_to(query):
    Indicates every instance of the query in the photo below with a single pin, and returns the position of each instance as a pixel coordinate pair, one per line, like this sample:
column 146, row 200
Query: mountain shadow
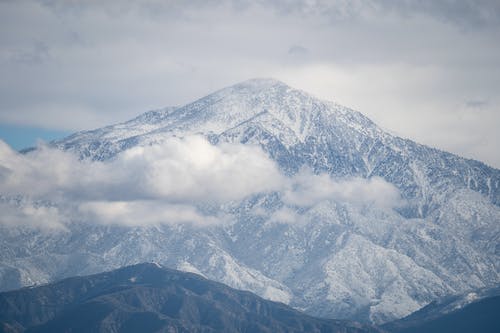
column 149, row 298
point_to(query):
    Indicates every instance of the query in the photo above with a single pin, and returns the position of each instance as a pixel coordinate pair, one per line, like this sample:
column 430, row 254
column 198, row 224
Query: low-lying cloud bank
column 182, row 180
column 179, row 170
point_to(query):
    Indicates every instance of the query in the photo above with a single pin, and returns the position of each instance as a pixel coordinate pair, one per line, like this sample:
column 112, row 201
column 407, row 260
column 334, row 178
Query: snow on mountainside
column 342, row 261
column 297, row 129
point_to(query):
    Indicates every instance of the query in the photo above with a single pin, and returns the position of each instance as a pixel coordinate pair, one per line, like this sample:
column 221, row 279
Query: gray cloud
column 28, row 214
column 35, row 55
column 297, row 50
column 476, row 104
column 466, row 14
column 462, row 13
column 409, row 65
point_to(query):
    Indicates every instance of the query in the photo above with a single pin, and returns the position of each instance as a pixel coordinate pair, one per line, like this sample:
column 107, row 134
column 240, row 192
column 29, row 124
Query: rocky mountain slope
column 343, row 260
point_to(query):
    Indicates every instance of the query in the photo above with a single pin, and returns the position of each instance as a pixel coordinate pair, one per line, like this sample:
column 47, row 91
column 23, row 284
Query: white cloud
column 192, row 169
column 182, row 180
column 43, row 173
column 31, row 215
column 287, row 215
column 306, row 192
column 307, row 189
column 144, row 185
column 146, row 213
column 189, row 169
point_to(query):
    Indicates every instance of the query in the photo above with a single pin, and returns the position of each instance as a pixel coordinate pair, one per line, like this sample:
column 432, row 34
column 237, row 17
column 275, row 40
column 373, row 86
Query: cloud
column 287, row 215
column 191, row 169
column 476, row 104
column 37, row 54
column 307, row 189
column 182, row 180
column 298, row 51
column 465, row 14
column 178, row 170
column 29, row 214
column 306, row 193
column 44, row 173
column 164, row 183
column 146, row 213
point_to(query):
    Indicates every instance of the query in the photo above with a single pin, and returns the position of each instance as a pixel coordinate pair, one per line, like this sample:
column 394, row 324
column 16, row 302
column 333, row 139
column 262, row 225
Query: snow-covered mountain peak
column 341, row 260
column 152, row 117
column 269, row 104
column 296, row 129
column 266, row 105
column 260, row 83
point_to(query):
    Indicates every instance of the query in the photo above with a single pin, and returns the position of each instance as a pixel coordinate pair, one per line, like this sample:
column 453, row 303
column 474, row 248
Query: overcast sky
column 426, row 70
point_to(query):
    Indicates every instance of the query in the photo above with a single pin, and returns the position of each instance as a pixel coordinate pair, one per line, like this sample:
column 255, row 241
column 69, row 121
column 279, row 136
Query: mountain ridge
column 285, row 106
column 150, row 298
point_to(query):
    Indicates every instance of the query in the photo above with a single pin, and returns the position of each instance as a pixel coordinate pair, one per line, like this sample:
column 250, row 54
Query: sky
column 424, row 70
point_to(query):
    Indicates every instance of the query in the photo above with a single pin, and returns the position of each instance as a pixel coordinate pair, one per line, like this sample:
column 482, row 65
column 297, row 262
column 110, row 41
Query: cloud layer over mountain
column 178, row 181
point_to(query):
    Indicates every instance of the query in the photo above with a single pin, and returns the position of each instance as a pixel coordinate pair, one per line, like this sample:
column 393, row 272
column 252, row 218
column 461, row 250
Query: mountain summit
column 265, row 102
column 297, row 129
column 341, row 260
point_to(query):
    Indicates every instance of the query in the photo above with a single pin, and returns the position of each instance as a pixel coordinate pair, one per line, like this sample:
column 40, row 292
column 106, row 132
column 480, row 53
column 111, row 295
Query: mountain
column 343, row 260
column 149, row 298
column 472, row 312
column 297, row 129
